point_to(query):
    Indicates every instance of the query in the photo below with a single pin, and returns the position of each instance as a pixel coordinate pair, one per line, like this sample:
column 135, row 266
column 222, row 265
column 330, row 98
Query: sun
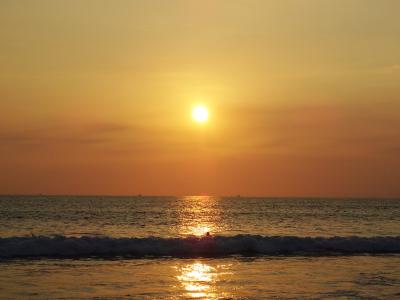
column 200, row 114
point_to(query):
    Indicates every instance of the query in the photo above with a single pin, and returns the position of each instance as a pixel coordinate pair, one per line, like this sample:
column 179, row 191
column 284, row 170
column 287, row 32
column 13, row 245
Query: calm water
column 155, row 247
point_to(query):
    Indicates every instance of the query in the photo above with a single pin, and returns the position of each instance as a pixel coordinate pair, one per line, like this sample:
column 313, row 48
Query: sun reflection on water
column 199, row 215
column 198, row 279
column 201, row 230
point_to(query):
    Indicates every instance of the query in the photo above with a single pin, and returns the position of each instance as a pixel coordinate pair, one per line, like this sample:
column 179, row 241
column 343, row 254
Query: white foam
column 61, row 246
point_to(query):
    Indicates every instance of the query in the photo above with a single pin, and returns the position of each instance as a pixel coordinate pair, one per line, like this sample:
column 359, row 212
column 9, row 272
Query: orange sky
column 304, row 97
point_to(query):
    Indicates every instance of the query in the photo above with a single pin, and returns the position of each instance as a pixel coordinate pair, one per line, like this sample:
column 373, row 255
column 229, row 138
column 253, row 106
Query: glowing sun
column 200, row 114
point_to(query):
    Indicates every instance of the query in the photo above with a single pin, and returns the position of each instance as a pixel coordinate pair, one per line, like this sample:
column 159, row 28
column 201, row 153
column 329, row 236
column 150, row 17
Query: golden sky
column 303, row 96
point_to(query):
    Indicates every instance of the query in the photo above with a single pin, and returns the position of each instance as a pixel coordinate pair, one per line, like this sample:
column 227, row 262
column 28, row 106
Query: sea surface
column 199, row 247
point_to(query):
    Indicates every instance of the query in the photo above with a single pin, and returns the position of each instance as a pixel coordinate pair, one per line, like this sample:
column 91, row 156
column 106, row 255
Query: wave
column 95, row 246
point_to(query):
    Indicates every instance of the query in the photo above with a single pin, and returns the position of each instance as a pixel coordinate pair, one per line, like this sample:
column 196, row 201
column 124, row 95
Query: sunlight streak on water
column 198, row 280
column 203, row 280
column 199, row 216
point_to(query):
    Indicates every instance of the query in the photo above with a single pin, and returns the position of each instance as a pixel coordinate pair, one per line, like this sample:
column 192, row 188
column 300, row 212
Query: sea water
column 66, row 247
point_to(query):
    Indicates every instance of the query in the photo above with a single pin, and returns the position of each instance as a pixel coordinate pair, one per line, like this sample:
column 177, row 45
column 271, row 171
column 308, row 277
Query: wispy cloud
column 390, row 69
column 90, row 133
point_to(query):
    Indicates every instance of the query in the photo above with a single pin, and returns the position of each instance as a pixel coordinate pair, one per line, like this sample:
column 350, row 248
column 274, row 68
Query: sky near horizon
column 303, row 97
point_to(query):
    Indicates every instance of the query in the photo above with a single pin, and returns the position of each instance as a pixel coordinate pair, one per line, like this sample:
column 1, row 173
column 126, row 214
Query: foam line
column 88, row 246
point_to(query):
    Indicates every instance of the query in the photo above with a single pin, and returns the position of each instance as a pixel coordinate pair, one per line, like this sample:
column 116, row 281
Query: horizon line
column 202, row 195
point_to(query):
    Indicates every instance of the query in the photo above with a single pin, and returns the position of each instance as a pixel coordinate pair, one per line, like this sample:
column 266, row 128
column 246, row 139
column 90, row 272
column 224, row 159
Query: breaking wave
column 92, row 246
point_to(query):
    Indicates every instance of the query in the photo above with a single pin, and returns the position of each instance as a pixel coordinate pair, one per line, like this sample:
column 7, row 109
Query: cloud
column 391, row 69
column 323, row 129
column 90, row 133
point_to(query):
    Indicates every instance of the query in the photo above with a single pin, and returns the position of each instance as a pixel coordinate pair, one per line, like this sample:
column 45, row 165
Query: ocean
column 199, row 247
